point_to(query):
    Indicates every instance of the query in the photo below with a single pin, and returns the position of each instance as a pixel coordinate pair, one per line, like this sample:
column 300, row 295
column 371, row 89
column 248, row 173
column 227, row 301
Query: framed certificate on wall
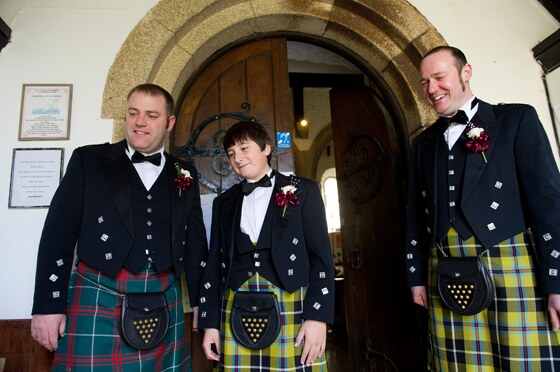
column 45, row 112
column 36, row 174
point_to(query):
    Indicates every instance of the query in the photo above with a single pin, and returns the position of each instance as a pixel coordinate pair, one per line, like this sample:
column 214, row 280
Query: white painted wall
column 71, row 41
column 53, row 41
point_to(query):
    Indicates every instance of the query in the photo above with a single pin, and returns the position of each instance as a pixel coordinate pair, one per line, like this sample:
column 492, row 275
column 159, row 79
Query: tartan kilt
column 92, row 338
column 281, row 355
column 513, row 334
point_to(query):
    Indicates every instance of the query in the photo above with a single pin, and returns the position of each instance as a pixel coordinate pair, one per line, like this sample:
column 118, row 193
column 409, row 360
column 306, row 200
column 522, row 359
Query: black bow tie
column 249, row 187
column 460, row 118
column 155, row 159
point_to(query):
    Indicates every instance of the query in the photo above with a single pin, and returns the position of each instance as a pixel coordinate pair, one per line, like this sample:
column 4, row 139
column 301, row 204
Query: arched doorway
column 380, row 323
column 175, row 40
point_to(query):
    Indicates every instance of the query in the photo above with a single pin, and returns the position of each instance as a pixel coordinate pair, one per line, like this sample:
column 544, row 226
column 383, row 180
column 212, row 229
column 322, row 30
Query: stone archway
column 177, row 38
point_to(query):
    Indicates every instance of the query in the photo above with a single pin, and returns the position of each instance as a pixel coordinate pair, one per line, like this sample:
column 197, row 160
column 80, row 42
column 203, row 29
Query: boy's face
column 248, row 160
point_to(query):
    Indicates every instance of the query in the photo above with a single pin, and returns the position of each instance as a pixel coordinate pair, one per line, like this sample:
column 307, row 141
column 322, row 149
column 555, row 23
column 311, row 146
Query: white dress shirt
column 253, row 210
column 147, row 171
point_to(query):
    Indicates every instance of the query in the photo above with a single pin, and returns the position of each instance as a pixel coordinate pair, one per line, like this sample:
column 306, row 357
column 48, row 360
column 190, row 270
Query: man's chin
column 445, row 112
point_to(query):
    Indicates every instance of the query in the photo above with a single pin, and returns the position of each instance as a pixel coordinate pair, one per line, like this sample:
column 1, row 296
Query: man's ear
column 170, row 123
column 467, row 73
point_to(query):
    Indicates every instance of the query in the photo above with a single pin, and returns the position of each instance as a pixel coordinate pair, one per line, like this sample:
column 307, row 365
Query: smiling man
column 132, row 213
column 483, row 182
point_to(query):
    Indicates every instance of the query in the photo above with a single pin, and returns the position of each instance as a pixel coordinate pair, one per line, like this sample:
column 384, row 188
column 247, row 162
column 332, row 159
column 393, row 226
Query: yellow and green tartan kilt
column 513, row 334
column 282, row 355
column 92, row 340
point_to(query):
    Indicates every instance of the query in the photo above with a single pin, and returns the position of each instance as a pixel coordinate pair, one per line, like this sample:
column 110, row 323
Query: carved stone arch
column 176, row 38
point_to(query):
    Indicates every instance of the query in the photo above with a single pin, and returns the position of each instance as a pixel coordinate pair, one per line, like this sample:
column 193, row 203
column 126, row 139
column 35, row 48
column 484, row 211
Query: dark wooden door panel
column 382, row 321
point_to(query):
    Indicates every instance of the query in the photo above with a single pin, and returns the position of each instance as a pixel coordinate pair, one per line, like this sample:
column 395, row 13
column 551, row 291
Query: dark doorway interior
column 352, row 136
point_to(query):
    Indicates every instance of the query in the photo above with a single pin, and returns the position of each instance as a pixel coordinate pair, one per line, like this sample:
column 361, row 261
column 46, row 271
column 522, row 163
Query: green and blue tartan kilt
column 282, row 355
column 513, row 334
column 92, row 338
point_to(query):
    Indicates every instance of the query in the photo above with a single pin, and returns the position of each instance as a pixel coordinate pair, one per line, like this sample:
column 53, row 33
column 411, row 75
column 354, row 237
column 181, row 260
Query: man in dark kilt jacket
column 483, row 181
column 269, row 234
column 132, row 215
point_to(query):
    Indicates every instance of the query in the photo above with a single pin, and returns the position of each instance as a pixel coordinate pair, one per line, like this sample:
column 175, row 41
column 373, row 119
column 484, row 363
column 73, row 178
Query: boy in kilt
column 483, row 182
column 269, row 234
column 131, row 215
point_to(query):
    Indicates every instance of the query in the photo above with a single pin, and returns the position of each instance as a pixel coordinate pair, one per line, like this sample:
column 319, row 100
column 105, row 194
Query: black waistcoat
column 450, row 173
column 249, row 258
column 151, row 216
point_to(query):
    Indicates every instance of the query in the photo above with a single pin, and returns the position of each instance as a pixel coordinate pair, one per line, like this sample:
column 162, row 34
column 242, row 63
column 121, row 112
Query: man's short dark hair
column 456, row 53
column 247, row 130
column 155, row 90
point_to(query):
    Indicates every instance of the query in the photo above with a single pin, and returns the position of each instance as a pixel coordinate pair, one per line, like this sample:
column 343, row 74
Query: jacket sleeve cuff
column 49, row 307
column 550, row 286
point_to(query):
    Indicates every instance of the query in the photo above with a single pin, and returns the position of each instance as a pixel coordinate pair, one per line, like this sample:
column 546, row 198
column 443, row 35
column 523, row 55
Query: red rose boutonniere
column 478, row 140
column 286, row 197
column 183, row 179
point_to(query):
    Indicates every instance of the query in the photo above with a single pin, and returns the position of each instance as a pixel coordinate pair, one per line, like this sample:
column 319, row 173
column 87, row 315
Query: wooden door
column 381, row 318
column 249, row 82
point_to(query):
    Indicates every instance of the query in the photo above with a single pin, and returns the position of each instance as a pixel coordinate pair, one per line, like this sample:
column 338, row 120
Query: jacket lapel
column 178, row 203
column 279, row 222
column 119, row 183
column 230, row 211
column 431, row 149
column 486, row 119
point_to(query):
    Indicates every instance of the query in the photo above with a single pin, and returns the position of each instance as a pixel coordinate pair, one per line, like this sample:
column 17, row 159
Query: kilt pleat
column 92, row 339
column 281, row 355
column 513, row 334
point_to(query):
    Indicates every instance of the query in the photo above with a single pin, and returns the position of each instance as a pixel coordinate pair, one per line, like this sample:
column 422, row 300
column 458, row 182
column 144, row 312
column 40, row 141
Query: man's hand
column 211, row 337
column 419, row 295
column 554, row 310
column 45, row 329
column 314, row 335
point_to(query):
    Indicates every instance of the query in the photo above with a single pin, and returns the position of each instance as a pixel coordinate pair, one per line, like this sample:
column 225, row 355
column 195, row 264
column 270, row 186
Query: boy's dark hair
column 458, row 55
column 247, row 130
column 155, row 90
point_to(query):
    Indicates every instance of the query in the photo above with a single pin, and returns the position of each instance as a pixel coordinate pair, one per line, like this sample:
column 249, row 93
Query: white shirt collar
column 253, row 181
column 454, row 131
column 468, row 108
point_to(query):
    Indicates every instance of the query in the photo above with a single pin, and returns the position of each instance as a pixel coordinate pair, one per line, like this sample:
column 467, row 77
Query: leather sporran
column 464, row 284
column 144, row 319
column 255, row 319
